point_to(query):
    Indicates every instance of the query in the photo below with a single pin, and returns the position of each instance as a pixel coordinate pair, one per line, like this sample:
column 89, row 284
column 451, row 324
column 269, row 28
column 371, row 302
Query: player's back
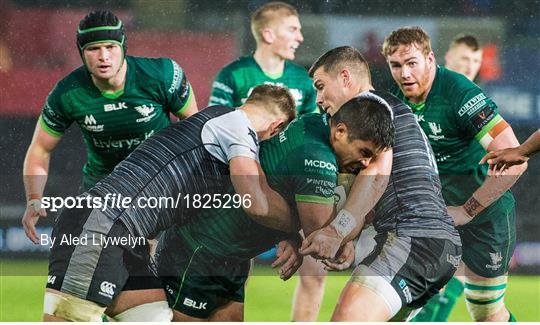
column 168, row 166
column 412, row 204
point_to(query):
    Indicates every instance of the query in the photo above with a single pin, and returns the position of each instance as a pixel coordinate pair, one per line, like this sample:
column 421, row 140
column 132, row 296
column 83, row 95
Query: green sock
column 454, row 289
column 428, row 312
column 512, row 318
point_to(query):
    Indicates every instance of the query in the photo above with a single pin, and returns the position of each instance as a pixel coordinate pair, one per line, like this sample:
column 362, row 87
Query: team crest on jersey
column 147, row 111
column 435, row 130
column 496, row 259
column 91, row 125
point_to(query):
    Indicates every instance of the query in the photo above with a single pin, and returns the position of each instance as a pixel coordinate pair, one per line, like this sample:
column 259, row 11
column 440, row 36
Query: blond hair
column 262, row 17
column 274, row 99
column 406, row 36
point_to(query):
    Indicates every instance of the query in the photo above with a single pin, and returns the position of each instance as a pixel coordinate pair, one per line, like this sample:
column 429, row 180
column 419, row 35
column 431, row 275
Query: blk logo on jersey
column 114, row 107
column 193, row 304
column 90, row 124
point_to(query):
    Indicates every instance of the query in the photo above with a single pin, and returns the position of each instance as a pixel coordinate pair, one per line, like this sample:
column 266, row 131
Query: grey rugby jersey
column 412, row 204
column 187, row 158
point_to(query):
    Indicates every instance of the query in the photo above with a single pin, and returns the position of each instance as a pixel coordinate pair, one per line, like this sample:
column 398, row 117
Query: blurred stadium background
column 37, row 48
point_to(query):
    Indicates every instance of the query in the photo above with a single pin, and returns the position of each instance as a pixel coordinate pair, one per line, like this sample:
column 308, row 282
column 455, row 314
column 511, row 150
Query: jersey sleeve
column 178, row 89
column 228, row 136
column 478, row 116
column 313, row 174
column 222, row 89
column 54, row 119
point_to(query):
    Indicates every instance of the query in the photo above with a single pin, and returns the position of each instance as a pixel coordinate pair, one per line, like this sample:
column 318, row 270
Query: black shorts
column 196, row 282
column 417, row 268
column 94, row 258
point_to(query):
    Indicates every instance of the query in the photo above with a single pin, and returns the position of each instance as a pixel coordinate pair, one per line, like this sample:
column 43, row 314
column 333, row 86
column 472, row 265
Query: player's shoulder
column 242, row 62
column 75, row 79
column 452, row 84
column 148, row 67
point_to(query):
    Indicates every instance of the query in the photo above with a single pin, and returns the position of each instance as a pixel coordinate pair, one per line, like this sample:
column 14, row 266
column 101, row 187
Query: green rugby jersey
column 113, row 125
column 456, row 115
column 235, row 82
column 299, row 163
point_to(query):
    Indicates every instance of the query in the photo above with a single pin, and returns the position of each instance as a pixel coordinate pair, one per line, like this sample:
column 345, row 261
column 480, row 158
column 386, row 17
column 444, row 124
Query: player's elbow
column 259, row 209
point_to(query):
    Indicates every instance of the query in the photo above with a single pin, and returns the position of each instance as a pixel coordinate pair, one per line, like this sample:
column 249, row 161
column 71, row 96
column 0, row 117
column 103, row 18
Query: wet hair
column 342, row 57
column 268, row 12
column 101, row 26
column 275, row 99
column 368, row 120
column 467, row 40
column 407, row 36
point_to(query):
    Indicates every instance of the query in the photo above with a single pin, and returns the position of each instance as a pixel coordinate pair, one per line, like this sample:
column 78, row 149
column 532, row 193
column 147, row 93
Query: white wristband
column 35, row 203
column 344, row 223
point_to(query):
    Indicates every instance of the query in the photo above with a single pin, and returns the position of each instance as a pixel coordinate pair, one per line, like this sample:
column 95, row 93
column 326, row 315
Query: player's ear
column 276, row 126
column 431, row 57
column 341, row 132
column 345, row 78
column 268, row 35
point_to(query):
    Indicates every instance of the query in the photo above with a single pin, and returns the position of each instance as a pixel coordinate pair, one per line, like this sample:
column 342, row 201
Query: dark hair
column 274, row 99
column 100, row 25
column 467, row 40
column 366, row 120
column 341, row 57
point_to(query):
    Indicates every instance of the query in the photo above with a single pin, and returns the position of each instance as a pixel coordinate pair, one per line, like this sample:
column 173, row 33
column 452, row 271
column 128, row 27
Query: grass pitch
column 267, row 298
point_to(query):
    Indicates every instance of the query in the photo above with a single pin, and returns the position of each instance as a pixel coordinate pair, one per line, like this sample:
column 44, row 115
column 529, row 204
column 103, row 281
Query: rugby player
column 376, row 133
column 464, row 56
column 205, row 154
column 276, row 29
column 118, row 101
column 462, row 122
column 204, row 264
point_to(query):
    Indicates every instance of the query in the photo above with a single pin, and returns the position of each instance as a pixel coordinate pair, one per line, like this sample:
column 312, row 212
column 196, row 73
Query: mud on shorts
column 94, row 257
column 196, row 282
column 489, row 245
column 416, row 268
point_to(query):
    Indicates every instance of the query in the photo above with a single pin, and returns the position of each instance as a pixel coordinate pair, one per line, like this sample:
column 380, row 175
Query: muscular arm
column 190, row 109
column 35, row 171
column 494, row 187
column 504, row 158
column 314, row 216
column 267, row 207
column 367, row 189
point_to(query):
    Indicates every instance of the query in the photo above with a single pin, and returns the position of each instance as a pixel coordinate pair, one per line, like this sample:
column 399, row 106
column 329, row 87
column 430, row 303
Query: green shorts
column 196, row 283
column 489, row 245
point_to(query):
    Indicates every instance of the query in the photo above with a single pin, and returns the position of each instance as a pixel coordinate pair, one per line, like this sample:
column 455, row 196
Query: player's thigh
column 178, row 316
column 228, row 311
column 488, row 246
column 80, row 264
column 360, row 303
column 415, row 268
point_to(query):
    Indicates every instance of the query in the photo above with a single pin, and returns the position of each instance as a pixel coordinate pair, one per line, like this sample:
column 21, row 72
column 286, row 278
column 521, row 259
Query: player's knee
column 71, row 308
column 157, row 311
column 485, row 298
column 313, row 281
